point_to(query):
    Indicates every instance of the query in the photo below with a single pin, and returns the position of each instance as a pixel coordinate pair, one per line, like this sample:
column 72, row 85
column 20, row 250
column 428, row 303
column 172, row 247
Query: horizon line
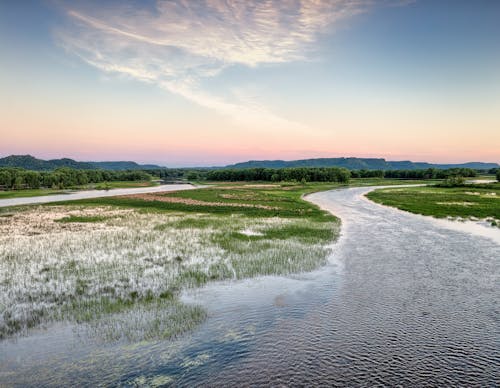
column 175, row 165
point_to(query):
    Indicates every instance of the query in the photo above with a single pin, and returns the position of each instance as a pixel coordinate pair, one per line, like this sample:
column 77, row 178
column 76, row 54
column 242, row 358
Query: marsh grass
column 120, row 269
column 469, row 201
column 255, row 200
column 82, row 219
column 156, row 319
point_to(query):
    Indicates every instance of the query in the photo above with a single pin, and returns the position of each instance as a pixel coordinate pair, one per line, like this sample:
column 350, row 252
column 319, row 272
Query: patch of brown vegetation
column 245, row 197
column 264, row 186
column 247, row 186
column 195, row 202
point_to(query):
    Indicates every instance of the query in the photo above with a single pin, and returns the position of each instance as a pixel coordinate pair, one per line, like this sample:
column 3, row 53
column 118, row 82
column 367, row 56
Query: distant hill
column 31, row 163
column 123, row 165
column 359, row 164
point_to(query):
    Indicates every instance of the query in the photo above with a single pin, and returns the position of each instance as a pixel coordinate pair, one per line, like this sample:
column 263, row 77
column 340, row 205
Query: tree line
column 429, row 173
column 330, row 174
column 327, row 174
column 65, row 177
column 62, row 178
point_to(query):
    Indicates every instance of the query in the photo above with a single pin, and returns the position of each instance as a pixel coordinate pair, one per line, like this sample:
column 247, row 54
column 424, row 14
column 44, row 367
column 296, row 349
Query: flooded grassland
column 119, row 264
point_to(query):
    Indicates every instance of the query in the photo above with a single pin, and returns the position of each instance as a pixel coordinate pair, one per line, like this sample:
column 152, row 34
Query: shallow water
column 405, row 301
column 85, row 194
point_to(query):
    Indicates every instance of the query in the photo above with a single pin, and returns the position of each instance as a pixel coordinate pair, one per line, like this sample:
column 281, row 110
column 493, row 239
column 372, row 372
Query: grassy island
column 480, row 201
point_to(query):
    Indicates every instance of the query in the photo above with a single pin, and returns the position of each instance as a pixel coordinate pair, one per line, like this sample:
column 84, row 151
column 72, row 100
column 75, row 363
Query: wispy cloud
column 178, row 44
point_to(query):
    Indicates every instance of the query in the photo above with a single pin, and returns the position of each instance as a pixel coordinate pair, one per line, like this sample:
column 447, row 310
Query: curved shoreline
column 476, row 228
column 472, row 227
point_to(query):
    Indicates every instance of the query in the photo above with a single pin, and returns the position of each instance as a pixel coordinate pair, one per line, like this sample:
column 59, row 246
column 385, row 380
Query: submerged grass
column 469, row 201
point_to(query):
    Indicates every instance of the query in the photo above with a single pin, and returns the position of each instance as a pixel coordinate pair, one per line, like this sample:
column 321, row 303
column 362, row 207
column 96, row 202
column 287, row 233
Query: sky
column 212, row 82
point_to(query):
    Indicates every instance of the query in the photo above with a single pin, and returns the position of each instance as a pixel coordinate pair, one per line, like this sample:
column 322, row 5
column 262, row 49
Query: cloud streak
column 178, row 44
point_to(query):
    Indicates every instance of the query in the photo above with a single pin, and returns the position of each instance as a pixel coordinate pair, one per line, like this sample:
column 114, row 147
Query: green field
column 477, row 201
column 252, row 200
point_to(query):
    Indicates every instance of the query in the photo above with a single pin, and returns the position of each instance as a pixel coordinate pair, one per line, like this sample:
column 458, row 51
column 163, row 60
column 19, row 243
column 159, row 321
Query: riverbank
column 469, row 202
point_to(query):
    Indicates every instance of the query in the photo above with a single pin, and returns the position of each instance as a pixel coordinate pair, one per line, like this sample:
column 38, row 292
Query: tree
column 32, row 179
column 18, row 182
column 192, row 176
column 5, row 179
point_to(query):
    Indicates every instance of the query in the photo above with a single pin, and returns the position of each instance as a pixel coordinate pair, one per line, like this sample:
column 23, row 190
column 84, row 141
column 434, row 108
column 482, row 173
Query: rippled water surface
column 406, row 300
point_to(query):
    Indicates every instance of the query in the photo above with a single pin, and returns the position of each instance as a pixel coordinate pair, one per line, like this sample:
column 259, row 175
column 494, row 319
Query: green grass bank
column 481, row 201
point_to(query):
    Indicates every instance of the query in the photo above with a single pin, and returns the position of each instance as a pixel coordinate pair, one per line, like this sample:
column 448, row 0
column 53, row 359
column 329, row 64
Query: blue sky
column 213, row 82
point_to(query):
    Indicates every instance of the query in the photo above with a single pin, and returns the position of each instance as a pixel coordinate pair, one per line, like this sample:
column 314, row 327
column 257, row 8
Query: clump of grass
column 307, row 234
column 73, row 218
column 159, row 319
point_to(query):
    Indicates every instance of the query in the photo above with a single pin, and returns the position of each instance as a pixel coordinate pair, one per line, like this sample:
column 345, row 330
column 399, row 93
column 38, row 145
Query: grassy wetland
column 470, row 201
column 118, row 264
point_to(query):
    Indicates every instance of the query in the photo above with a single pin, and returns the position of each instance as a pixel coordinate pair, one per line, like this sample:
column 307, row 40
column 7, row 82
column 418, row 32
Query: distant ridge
column 360, row 164
column 31, row 163
column 123, row 165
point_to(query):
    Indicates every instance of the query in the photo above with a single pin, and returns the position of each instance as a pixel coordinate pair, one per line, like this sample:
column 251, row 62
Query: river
column 405, row 300
column 85, row 194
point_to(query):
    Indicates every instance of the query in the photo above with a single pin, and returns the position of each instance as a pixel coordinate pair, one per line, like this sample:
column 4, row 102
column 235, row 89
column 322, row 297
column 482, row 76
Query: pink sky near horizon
column 225, row 145
column 176, row 138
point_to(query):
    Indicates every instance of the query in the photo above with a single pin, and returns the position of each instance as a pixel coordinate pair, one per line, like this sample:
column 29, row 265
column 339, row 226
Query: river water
column 406, row 300
column 86, row 194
